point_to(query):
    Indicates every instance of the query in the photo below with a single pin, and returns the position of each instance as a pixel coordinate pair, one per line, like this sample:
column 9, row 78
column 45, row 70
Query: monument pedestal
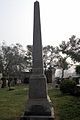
column 39, row 106
column 39, row 109
column 37, row 118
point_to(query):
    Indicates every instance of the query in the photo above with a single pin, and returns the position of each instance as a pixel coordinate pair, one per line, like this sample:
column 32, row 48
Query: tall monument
column 39, row 106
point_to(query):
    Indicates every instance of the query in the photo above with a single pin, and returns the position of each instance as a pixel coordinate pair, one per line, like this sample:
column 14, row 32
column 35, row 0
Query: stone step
column 37, row 118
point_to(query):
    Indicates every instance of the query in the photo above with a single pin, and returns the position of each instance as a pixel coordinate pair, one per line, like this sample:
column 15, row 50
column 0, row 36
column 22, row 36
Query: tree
column 78, row 69
column 12, row 59
column 71, row 48
column 28, row 57
column 50, row 56
column 63, row 64
column 1, row 65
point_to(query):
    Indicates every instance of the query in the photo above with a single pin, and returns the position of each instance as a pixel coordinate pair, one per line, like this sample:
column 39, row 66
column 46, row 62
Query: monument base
column 38, row 109
column 37, row 118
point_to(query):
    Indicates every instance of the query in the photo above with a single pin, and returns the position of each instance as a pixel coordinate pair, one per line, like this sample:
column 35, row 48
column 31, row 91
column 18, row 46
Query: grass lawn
column 12, row 104
column 66, row 107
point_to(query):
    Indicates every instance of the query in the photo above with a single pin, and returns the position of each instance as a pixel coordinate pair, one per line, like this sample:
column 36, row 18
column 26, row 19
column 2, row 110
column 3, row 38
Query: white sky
column 59, row 20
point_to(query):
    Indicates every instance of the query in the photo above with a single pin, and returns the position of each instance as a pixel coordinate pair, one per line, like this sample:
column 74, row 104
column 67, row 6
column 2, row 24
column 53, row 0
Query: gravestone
column 39, row 106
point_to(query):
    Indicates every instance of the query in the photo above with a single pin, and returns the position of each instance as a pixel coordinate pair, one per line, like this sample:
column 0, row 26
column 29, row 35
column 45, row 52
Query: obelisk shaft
column 37, row 41
column 37, row 86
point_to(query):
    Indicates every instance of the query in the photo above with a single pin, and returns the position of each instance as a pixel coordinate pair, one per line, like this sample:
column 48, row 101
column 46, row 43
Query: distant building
column 68, row 74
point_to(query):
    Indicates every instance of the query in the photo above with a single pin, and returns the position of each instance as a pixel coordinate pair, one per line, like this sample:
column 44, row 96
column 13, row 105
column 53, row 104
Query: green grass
column 12, row 104
column 66, row 107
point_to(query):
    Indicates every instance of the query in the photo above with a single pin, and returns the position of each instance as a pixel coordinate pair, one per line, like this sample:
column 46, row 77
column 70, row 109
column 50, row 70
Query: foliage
column 12, row 59
column 3, row 82
column 48, row 74
column 66, row 107
column 50, row 56
column 1, row 65
column 63, row 64
column 77, row 91
column 71, row 48
column 68, row 86
column 28, row 57
column 78, row 69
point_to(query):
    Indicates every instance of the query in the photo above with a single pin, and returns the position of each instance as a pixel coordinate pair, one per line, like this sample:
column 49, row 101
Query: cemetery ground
column 12, row 103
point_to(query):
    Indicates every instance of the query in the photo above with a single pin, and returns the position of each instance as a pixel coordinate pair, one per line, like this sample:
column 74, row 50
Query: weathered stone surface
column 38, row 118
column 37, row 42
column 38, row 86
column 39, row 106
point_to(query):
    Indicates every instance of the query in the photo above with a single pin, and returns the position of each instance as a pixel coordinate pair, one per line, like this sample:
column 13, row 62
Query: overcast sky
column 59, row 20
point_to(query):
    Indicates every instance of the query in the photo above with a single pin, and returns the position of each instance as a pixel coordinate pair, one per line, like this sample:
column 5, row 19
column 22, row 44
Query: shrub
column 3, row 82
column 68, row 86
column 77, row 91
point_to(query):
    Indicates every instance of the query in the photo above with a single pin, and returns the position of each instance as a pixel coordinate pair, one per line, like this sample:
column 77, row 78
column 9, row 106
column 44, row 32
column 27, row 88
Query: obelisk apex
column 37, row 41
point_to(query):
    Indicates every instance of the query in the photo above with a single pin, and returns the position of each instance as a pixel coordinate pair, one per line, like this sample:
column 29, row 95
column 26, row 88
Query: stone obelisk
column 39, row 106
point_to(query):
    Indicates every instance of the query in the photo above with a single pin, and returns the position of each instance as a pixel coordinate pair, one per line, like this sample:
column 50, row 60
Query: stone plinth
column 38, row 118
